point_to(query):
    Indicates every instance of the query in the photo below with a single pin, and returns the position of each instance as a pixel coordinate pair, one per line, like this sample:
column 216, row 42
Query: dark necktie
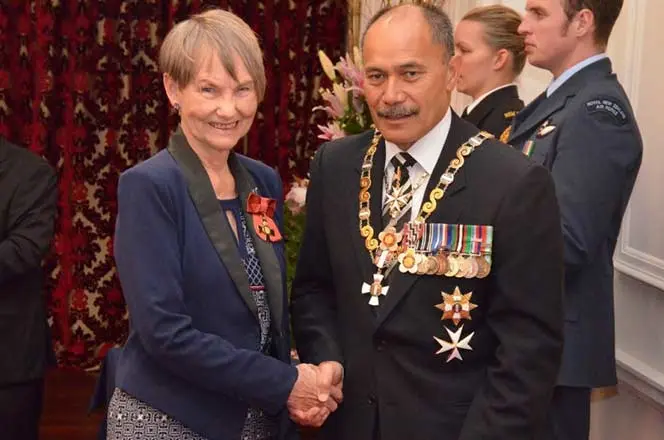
column 400, row 192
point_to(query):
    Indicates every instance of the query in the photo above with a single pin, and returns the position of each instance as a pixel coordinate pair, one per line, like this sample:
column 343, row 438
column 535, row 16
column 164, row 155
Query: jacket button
column 371, row 399
column 381, row 345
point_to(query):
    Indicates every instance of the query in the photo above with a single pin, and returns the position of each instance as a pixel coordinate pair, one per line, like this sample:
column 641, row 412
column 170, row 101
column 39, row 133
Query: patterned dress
column 129, row 418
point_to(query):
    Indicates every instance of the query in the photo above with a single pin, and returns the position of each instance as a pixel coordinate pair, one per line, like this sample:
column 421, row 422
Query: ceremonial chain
column 428, row 207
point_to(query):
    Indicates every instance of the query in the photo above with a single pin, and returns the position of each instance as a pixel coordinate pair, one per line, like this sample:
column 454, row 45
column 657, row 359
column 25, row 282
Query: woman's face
column 475, row 59
column 216, row 111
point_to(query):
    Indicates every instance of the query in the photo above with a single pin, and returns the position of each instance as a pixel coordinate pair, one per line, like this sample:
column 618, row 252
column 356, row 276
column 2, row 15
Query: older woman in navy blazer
column 201, row 261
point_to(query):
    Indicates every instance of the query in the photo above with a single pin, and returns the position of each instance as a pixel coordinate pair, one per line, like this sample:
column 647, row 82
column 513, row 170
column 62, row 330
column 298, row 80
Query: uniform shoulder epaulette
column 510, row 114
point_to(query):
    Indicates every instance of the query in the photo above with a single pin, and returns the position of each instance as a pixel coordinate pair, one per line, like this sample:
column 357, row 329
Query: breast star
column 456, row 306
column 455, row 344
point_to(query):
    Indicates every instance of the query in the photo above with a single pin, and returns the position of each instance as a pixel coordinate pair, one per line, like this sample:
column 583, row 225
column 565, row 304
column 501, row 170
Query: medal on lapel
column 545, row 129
column 262, row 211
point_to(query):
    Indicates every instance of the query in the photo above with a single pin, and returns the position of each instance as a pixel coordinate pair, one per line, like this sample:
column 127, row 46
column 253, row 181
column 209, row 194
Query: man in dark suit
column 583, row 130
column 450, row 327
column 27, row 211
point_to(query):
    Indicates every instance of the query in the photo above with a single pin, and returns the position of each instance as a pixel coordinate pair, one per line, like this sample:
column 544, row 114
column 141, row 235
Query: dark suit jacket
column 594, row 154
column 496, row 111
column 192, row 348
column 502, row 387
column 28, row 198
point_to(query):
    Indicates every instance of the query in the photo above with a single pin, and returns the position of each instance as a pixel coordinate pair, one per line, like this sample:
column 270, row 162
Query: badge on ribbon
column 262, row 211
column 545, row 129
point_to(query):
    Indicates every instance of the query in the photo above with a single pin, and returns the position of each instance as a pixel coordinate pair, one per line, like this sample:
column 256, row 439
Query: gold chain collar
column 437, row 193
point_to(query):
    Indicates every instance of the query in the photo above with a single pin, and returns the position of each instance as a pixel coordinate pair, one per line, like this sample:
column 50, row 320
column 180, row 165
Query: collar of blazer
column 496, row 99
column 542, row 107
column 218, row 230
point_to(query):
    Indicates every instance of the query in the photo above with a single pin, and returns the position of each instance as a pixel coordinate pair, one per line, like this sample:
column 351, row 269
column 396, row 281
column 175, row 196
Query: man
column 431, row 340
column 583, row 130
column 27, row 211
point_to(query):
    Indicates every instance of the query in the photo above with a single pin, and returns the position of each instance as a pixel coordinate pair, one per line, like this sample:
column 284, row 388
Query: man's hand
column 316, row 393
column 330, row 382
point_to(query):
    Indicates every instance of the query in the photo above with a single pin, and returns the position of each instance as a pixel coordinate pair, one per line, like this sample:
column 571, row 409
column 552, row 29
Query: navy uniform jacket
column 585, row 133
column 192, row 347
column 496, row 111
column 394, row 382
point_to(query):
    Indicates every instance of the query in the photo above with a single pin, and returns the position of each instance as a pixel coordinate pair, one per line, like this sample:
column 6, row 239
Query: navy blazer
column 194, row 331
column 587, row 136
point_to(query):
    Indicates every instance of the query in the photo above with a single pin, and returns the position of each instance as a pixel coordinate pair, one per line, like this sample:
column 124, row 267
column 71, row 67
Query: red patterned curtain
column 79, row 84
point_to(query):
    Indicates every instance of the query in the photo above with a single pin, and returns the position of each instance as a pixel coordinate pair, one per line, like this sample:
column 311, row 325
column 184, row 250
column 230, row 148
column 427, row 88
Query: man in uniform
column 583, row 130
column 430, row 275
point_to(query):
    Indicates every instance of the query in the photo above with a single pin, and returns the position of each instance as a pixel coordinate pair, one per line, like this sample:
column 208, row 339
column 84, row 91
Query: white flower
column 327, row 65
column 297, row 196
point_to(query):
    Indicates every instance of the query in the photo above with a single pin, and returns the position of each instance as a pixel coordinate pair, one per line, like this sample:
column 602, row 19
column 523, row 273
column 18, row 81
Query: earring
column 176, row 106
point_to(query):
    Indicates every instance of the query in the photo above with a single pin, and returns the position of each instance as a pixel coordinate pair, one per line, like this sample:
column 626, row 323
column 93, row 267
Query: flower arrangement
column 294, row 217
column 344, row 102
column 348, row 114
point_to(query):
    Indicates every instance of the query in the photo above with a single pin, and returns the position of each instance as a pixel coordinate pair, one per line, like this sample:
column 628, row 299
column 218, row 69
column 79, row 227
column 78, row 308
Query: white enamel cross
column 375, row 289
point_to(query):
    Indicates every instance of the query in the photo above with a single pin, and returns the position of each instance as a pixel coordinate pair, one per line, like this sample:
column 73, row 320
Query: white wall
column 637, row 412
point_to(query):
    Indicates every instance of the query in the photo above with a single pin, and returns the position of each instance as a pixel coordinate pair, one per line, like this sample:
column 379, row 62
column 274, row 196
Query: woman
column 490, row 55
column 201, row 260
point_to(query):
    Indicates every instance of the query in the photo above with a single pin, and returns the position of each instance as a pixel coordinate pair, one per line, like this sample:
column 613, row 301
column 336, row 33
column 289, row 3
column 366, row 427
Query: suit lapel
column 448, row 210
column 269, row 264
column 209, row 210
column 532, row 115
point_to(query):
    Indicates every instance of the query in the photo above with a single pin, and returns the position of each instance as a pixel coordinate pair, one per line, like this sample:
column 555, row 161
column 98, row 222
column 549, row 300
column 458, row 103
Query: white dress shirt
column 426, row 152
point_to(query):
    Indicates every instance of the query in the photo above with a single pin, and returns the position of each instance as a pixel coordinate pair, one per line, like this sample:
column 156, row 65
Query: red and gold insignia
column 262, row 211
column 390, row 239
column 456, row 306
column 409, row 261
column 505, row 135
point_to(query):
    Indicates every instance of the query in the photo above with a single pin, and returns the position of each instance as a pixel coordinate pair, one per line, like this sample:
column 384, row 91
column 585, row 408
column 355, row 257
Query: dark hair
column 442, row 31
column 606, row 14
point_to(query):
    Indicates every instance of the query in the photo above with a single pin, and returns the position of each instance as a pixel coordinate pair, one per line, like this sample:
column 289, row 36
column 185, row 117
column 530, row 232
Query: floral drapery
column 79, row 84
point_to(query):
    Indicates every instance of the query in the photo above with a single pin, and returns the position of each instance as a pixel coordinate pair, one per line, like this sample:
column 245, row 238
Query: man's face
column 408, row 80
column 546, row 29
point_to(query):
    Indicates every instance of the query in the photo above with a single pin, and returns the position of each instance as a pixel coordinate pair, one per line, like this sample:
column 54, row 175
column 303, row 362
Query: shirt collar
column 428, row 148
column 567, row 74
column 481, row 98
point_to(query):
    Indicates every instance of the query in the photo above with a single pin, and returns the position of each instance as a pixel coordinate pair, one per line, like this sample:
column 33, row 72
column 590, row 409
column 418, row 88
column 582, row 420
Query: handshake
column 316, row 393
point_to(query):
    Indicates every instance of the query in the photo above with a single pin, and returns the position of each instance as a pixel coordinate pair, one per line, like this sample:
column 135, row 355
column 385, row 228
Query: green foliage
column 293, row 231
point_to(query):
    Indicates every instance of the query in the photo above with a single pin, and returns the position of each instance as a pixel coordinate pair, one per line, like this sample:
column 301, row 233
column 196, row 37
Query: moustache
column 397, row 112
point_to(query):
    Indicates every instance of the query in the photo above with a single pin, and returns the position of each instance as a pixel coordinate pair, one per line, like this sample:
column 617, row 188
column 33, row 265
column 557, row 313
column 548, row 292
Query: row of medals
column 444, row 263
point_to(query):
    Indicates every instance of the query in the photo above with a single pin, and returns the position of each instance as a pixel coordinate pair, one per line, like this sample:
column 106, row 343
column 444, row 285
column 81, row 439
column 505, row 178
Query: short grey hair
column 442, row 31
column 213, row 31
